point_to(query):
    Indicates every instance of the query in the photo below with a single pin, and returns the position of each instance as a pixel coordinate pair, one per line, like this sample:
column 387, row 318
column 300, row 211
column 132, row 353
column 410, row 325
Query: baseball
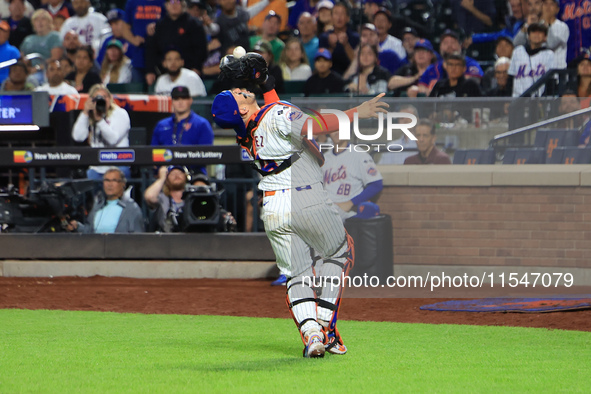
column 239, row 52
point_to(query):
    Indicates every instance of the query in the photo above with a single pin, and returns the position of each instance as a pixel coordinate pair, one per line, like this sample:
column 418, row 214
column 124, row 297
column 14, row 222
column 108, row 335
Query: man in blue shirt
column 184, row 127
column 7, row 51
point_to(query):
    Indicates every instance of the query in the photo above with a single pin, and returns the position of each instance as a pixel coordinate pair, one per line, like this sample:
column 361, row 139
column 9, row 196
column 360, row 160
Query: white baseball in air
column 239, row 52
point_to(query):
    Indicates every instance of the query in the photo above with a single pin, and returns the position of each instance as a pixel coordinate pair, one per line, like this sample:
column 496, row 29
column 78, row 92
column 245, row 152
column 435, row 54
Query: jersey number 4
column 344, row 189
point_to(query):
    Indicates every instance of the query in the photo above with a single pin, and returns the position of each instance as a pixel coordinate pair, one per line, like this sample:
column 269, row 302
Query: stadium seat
column 525, row 156
column 570, row 155
column 549, row 139
column 474, row 156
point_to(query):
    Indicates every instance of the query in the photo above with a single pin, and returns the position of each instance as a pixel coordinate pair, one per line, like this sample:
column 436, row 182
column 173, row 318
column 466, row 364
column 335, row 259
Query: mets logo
column 22, row 156
column 372, row 171
column 293, row 115
column 115, row 156
column 161, row 155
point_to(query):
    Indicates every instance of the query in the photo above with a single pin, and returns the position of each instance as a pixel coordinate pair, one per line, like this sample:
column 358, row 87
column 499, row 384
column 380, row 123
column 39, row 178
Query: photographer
column 103, row 124
column 114, row 213
column 166, row 199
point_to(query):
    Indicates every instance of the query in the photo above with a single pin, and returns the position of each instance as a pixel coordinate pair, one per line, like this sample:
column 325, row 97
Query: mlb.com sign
column 392, row 123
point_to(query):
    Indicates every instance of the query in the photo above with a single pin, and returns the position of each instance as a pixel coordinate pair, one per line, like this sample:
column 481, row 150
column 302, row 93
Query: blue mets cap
column 226, row 113
column 367, row 210
column 115, row 15
column 424, row 44
column 323, row 52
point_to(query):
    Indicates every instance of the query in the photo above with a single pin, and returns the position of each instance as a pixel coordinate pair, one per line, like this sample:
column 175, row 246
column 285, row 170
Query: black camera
column 202, row 212
column 100, row 105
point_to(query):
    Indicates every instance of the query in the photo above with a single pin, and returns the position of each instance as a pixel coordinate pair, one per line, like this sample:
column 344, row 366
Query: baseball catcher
column 297, row 213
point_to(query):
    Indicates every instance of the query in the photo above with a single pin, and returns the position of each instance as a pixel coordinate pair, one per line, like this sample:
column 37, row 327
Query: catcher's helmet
column 226, row 113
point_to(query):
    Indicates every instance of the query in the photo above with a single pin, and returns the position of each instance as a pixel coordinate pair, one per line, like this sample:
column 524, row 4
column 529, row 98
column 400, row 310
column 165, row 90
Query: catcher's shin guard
column 336, row 267
column 301, row 301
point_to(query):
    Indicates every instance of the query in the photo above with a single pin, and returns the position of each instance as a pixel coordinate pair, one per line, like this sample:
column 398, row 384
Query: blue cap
column 226, row 113
column 424, row 44
column 367, row 210
column 323, row 52
column 115, row 15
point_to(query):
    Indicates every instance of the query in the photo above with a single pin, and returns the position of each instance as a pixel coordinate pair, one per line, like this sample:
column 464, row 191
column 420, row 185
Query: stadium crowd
column 416, row 48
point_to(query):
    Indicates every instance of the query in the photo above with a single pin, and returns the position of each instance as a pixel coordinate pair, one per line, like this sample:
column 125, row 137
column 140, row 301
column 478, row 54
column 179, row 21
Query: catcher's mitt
column 251, row 66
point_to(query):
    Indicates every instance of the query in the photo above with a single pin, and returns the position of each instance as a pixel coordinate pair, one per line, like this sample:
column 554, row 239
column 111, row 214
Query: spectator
column 233, row 22
column 67, row 66
column 341, row 40
column 259, row 9
column 307, row 26
column 17, row 79
column 387, row 58
column 265, row 50
column 323, row 15
column 7, row 51
column 176, row 29
column 581, row 84
column 428, row 152
column 184, row 127
column 383, row 22
column 102, row 123
column 140, row 21
column 60, row 8
column 513, row 23
column 455, row 85
column 324, row 80
column 113, row 213
column 403, row 147
column 449, row 43
column 165, row 197
column 176, row 75
column 116, row 67
column 474, row 16
column 198, row 10
column 20, row 25
column 45, row 39
column 409, row 39
column 558, row 32
column 407, row 77
column 116, row 19
column 55, row 84
column 503, row 48
column 294, row 62
column 269, row 32
column 529, row 63
column 88, row 25
column 5, row 9
column 71, row 44
column 84, row 77
column 503, row 82
column 575, row 14
column 371, row 78
column 569, row 102
column 299, row 7
column 371, row 7
column 58, row 22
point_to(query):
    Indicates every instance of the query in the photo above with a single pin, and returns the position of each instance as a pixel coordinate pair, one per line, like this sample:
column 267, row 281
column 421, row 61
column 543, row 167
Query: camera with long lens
column 202, row 212
column 46, row 209
column 100, row 105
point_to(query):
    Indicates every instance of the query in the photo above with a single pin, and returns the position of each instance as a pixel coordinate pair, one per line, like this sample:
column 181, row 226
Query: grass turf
column 63, row 352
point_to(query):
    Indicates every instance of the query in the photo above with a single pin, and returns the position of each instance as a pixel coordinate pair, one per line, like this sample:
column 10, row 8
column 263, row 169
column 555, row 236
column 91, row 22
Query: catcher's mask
column 226, row 113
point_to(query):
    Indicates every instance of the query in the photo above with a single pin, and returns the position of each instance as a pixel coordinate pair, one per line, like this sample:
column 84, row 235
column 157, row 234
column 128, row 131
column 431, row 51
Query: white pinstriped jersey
column 278, row 137
column 346, row 174
column 526, row 69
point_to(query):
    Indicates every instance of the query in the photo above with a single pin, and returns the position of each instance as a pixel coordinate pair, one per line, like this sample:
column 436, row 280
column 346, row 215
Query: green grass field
column 65, row 352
